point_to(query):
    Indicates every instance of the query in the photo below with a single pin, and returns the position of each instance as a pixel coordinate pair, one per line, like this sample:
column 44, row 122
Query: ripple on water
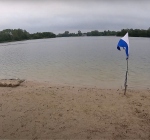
column 92, row 61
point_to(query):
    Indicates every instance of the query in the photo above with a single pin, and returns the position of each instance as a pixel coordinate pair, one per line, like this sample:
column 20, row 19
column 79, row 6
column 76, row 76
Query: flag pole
column 126, row 78
column 124, row 43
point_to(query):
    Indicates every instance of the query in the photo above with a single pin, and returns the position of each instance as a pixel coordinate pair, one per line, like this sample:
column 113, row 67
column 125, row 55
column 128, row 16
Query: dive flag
column 124, row 43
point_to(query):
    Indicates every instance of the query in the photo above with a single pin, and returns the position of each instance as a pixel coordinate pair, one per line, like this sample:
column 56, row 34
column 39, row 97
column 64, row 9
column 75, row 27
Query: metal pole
column 125, row 83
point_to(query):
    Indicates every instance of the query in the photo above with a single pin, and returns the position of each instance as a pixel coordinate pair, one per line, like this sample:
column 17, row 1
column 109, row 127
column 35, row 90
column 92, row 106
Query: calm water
column 87, row 61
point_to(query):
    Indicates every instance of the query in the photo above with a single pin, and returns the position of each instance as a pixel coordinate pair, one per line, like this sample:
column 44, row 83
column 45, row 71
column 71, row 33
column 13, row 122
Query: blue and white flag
column 124, row 43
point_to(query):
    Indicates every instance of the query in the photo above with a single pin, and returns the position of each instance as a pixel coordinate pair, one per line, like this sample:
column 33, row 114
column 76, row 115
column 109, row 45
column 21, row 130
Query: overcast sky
column 72, row 15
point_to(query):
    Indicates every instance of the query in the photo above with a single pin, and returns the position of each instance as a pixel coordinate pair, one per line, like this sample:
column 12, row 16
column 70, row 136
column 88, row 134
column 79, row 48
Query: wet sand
column 36, row 110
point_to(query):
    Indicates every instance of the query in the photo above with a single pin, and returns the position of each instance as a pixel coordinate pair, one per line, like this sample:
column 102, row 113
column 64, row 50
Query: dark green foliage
column 148, row 32
column 13, row 35
column 105, row 33
column 79, row 33
column 132, row 33
column 8, row 35
column 135, row 32
column 42, row 35
column 67, row 34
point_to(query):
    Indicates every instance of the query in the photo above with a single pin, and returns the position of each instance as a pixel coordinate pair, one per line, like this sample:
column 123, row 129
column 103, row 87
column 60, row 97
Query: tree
column 79, row 33
column 148, row 32
column 19, row 34
column 65, row 34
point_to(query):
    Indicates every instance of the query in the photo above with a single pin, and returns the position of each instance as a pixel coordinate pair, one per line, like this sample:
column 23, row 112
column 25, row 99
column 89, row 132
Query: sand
column 36, row 110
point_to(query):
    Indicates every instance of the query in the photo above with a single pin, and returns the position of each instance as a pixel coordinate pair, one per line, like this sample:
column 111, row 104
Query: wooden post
column 126, row 78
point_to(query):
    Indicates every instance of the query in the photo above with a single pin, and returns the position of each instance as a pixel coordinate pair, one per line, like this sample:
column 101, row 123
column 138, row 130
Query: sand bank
column 44, row 111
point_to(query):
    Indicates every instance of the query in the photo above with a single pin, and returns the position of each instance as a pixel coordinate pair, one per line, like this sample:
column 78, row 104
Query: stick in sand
column 126, row 78
column 124, row 43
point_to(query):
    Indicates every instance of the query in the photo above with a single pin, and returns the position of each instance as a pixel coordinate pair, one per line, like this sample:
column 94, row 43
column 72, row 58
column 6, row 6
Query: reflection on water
column 92, row 61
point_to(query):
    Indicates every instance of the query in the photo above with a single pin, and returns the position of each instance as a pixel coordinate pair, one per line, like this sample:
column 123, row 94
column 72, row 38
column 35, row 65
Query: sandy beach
column 36, row 110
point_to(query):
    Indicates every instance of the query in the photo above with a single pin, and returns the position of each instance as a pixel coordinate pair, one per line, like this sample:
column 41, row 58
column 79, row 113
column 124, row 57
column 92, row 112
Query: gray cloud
column 85, row 15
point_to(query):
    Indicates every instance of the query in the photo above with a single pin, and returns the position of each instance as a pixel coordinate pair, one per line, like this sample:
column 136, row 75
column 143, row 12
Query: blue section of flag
column 124, row 45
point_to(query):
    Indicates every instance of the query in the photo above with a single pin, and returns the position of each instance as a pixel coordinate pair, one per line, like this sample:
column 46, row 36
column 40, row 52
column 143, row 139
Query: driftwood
column 10, row 82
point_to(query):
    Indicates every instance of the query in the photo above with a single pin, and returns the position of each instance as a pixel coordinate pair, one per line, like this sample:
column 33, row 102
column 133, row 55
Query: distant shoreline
column 8, row 35
column 61, row 37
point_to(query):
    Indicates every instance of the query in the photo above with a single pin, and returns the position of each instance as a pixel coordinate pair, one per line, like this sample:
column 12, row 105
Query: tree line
column 135, row 32
column 8, row 35
column 104, row 33
column 67, row 34
column 132, row 33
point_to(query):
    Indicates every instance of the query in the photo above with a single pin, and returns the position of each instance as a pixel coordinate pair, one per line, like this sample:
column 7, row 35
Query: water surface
column 81, row 61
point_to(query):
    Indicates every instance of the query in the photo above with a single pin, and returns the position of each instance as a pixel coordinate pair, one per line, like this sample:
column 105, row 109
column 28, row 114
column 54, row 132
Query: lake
column 79, row 61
